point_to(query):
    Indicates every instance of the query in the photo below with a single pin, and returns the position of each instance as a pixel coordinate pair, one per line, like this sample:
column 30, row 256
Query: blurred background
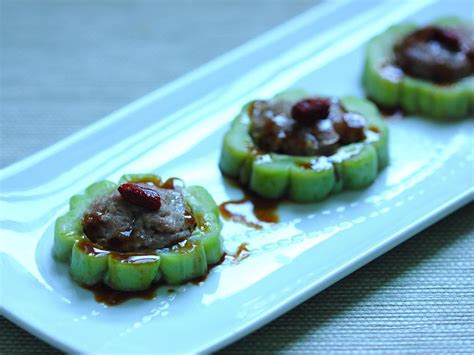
column 66, row 64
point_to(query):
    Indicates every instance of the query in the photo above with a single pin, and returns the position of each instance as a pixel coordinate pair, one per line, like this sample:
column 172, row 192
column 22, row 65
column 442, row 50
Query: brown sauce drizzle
column 90, row 248
column 251, row 210
column 310, row 165
column 220, row 261
column 241, row 253
column 198, row 280
column 240, row 249
column 106, row 295
column 389, row 113
column 110, row 297
column 374, row 129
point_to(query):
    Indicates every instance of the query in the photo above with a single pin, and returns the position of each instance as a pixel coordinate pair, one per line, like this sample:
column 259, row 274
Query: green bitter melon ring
column 91, row 264
column 273, row 176
column 414, row 95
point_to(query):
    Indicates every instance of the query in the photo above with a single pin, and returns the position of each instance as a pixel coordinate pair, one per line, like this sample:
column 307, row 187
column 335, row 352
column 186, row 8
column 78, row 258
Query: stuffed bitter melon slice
column 94, row 259
column 305, row 177
column 404, row 68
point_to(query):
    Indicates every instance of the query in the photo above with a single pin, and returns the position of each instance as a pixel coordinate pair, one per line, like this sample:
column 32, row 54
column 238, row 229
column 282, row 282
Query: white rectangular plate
column 176, row 131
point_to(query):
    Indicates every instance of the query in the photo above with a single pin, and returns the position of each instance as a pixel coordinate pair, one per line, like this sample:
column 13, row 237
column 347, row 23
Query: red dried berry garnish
column 140, row 195
column 308, row 111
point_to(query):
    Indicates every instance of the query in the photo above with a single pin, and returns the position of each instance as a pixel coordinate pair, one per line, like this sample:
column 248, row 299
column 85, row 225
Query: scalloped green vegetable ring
column 305, row 148
column 427, row 71
column 132, row 235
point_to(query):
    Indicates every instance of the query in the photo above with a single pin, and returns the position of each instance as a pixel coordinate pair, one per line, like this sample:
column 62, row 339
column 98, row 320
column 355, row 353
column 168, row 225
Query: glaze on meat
column 286, row 128
column 437, row 54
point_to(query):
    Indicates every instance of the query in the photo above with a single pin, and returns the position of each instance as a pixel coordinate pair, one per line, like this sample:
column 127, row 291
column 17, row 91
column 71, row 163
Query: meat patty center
column 313, row 131
column 118, row 225
column 437, row 54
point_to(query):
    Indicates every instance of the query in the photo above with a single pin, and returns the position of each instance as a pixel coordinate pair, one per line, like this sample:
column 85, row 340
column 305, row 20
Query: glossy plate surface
column 177, row 131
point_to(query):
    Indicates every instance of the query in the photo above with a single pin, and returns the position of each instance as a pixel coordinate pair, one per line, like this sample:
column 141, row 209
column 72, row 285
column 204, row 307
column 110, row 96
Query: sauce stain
column 199, row 280
column 241, row 249
column 110, row 297
column 135, row 258
column 251, row 210
column 92, row 249
column 389, row 113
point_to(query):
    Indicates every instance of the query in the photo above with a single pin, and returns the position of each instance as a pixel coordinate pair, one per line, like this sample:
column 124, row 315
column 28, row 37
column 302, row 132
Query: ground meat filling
column 118, row 225
column 312, row 126
column 437, row 54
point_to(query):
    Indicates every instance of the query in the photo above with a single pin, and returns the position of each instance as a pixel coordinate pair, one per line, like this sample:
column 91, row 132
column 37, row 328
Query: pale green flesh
column 269, row 177
column 175, row 265
column 275, row 175
column 68, row 228
column 302, row 181
column 178, row 267
column 127, row 276
column 415, row 96
column 88, row 269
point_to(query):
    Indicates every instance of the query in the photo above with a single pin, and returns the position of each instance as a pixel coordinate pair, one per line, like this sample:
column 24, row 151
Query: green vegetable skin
column 443, row 102
column 132, row 272
column 306, row 179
